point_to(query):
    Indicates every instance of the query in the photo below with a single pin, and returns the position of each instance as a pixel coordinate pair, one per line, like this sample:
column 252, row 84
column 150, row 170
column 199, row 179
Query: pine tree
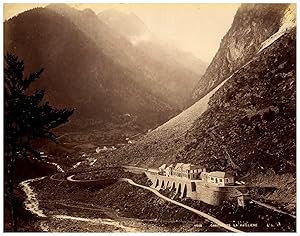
column 26, row 117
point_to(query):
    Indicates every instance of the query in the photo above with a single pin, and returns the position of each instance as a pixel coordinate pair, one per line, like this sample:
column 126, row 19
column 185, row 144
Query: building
column 204, row 176
column 220, row 178
column 169, row 170
column 162, row 169
column 192, row 181
column 195, row 172
column 189, row 171
column 177, row 171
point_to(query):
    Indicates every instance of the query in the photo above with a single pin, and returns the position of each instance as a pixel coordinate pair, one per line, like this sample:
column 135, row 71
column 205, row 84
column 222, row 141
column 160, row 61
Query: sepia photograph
column 149, row 117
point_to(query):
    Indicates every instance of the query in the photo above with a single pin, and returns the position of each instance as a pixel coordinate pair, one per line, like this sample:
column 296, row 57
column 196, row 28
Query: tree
column 26, row 117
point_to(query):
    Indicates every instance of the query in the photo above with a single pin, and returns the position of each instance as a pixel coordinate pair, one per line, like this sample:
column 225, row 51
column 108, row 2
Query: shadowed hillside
column 164, row 77
column 77, row 72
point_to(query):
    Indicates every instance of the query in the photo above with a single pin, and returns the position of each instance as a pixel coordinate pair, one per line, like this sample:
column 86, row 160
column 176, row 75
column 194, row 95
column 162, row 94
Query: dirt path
column 109, row 222
column 272, row 208
column 200, row 213
column 52, row 223
column 212, row 219
column 112, row 214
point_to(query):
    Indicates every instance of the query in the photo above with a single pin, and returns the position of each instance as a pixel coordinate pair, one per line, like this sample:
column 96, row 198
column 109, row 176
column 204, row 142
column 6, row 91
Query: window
column 193, row 186
column 220, row 180
column 227, row 180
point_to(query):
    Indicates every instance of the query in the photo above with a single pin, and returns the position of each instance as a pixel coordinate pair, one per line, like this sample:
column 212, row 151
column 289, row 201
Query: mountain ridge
column 172, row 83
column 146, row 40
column 49, row 50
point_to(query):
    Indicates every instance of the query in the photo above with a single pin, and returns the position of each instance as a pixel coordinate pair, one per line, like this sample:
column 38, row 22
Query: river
column 31, row 204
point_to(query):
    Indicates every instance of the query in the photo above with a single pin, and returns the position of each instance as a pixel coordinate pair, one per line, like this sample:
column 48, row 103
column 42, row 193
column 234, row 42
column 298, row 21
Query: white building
column 220, row 178
column 189, row 171
column 162, row 169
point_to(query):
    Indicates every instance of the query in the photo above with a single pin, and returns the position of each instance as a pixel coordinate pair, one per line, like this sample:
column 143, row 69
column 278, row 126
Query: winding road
column 32, row 205
column 200, row 213
column 272, row 208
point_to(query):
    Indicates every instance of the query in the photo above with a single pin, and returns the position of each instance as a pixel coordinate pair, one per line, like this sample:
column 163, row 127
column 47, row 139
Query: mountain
column 246, row 123
column 78, row 73
column 171, row 82
column 252, row 25
column 128, row 25
column 134, row 30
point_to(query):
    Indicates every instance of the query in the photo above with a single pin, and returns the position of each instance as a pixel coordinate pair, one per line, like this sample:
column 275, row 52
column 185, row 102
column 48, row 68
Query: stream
column 31, row 204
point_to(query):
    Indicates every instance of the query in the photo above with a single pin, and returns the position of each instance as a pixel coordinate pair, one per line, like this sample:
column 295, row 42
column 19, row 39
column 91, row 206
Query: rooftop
column 164, row 166
column 178, row 165
column 171, row 166
column 220, row 174
column 182, row 166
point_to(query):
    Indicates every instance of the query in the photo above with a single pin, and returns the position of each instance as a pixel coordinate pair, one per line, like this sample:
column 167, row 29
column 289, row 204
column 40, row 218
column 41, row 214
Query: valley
column 144, row 109
column 124, row 213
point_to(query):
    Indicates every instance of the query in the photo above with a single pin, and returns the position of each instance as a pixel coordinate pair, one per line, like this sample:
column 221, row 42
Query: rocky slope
column 246, row 123
column 252, row 25
column 252, row 116
column 250, row 126
column 78, row 73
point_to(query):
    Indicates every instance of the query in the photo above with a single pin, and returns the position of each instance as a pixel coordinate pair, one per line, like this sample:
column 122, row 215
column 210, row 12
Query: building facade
column 220, row 178
column 195, row 182
column 181, row 170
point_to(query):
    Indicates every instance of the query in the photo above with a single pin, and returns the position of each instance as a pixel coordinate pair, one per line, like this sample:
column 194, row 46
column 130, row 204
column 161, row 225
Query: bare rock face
column 252, row 25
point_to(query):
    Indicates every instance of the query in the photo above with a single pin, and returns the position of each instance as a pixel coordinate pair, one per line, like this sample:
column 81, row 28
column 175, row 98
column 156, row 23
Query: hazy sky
column 197, row 28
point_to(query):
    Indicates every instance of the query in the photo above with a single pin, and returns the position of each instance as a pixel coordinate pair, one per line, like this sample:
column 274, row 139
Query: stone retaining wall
column 194, row 189
column 97, row 183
